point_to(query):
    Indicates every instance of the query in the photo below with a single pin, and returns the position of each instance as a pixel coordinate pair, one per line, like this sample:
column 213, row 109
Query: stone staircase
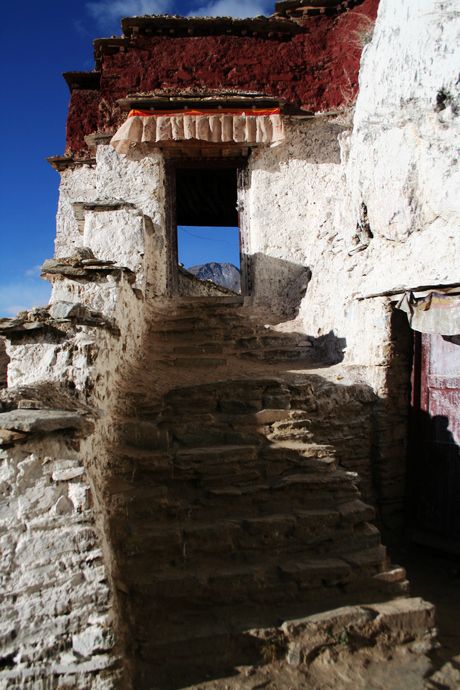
column 226, row 517
column 209, row 333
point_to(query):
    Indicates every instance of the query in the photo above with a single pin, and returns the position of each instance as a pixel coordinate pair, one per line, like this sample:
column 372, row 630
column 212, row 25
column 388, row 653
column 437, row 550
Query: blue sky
column 202, row 245
column 40, row 40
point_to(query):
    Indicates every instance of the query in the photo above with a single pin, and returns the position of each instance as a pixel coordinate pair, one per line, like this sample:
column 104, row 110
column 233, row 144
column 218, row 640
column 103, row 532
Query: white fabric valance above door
column 251, row 127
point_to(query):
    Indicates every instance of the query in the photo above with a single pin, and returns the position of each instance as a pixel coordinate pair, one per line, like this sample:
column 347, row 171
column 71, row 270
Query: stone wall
column 56, row 603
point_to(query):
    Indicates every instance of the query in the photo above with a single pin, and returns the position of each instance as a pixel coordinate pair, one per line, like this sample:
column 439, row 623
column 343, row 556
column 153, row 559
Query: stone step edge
column 399, row 621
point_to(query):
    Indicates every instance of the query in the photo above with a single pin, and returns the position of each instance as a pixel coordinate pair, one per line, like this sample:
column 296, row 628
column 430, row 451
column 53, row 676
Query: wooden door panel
column 435, row 456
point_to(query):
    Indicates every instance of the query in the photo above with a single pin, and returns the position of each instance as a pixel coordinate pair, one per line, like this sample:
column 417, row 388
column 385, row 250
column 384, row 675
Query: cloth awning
column 433, row 311
column 144, row 128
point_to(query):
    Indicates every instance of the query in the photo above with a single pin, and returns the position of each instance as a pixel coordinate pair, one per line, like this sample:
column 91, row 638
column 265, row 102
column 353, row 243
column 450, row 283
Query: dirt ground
column 435, row 576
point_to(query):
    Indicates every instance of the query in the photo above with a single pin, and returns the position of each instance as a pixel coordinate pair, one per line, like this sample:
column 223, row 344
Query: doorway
column 434, row 505
column 206, row 223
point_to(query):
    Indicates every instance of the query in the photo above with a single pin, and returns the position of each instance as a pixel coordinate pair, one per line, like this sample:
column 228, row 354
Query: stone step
column 191, row 435
column 308, row 532
column 170, row 337
column 299, row 421
column 239, row 583
column 138, row 465
column 180, row 500
column 139, row 472
column 303, row 527
column 200, row 349
column 299, row 433
column 189, row 354
column 241, row 389
column 270, row 339
column 215, row 463
column 202, row 362
column 288, row 354
column 233, row 323
column 223, row 301
column 137, row 433
column 242, row 650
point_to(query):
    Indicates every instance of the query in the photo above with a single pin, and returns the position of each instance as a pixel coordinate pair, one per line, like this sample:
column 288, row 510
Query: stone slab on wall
column 4, row 359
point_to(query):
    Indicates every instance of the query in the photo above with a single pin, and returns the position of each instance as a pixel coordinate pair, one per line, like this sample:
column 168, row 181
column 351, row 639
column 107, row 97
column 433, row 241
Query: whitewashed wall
column 399, row 158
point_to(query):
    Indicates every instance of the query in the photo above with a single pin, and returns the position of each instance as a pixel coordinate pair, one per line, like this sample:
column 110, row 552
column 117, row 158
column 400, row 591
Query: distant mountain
column 226, row 275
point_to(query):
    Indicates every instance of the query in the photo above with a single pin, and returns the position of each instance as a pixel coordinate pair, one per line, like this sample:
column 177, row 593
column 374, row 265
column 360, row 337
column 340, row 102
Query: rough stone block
column 91, row 641
column 405, row 615
column 42, row 421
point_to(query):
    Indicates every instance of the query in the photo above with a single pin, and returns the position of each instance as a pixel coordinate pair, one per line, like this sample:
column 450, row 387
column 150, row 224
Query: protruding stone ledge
column 61, row 163
column 17, row 426
column 98, row 139
column 262, row 27
column 84, row 265
column 87, row 81
column 32, row 421
column 58, row 321
column 31, row 323
column 109, row 205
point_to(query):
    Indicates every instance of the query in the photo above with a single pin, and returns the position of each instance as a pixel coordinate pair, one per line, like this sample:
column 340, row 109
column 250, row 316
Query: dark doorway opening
column 207, row 222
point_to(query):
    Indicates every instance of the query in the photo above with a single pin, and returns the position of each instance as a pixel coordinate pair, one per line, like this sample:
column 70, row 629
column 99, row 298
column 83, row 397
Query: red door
column 435, row 458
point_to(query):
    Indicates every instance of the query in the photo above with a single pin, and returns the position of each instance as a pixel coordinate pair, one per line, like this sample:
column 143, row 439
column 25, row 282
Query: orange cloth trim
column 213, row 111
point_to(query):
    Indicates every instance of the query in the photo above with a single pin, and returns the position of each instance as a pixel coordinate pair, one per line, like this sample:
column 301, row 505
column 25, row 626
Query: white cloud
column 234, row 8
column 33, row 272
column 107, row 12
column 18, row 296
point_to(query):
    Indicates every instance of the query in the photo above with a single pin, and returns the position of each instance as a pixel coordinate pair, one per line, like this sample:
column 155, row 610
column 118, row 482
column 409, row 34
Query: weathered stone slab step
column 232, row 323
column 137, row 433
column 268, row 582
column 300, row 433
column 203, row 348
column 236, row 388
column 174, row 336
column 292, row 353
column 139, row 464
column 210, row 456
column 181, row 502
column 190, row 435
column 273, row 339
column 281, row 656
column 307, row 532
column 197, row 362
column 209, row 302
